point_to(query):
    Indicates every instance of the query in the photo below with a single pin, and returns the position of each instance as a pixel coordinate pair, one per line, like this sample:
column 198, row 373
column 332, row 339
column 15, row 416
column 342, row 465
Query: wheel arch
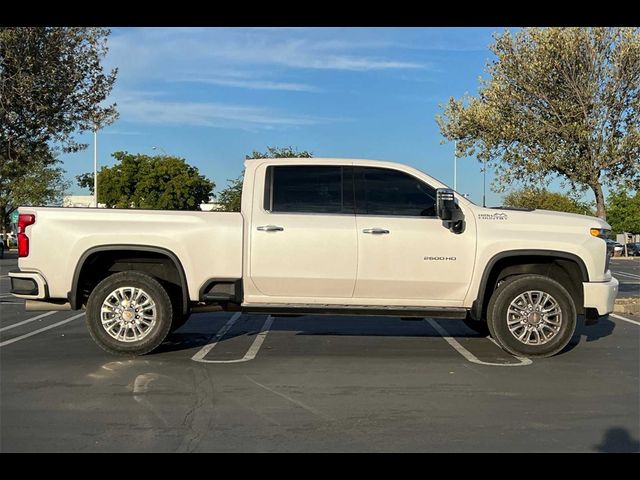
column 75, row 294
column 569, row 269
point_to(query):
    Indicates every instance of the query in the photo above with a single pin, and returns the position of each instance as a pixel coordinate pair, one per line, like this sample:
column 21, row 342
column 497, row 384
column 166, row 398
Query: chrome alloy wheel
column 534, row 317
column 128, row 314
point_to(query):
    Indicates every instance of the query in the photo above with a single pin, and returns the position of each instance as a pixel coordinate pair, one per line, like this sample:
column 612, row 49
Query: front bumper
column 600, row 295
column 28, row 285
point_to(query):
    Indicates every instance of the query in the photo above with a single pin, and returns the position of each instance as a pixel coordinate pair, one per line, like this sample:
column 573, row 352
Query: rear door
column 303, row 233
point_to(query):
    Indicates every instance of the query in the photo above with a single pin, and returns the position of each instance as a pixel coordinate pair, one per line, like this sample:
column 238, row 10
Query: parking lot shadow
column 618, row 440
column 603, row 328
column 188, row 336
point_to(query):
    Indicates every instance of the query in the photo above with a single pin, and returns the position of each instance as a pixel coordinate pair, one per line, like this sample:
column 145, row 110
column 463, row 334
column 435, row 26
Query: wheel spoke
column 534, row 317
column 120, row 319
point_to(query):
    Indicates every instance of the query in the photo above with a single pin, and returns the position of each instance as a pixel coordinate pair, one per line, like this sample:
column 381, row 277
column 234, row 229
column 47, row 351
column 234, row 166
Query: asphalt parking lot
column 314, row 384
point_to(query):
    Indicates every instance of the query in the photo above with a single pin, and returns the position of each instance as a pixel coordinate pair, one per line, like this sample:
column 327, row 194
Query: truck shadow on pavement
column 189, row 336
column 198, row 332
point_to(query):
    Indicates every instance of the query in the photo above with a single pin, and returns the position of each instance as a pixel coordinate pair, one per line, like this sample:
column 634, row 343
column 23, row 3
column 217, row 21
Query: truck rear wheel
column 531, row 315
column 129, row 313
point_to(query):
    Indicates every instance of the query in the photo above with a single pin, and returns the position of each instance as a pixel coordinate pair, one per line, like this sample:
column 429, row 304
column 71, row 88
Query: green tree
column 533, row 197
column 230, row 197
column 624, row 212
column 557, row 103
column 52, row 86
column 160, row 182
column 43, row 185
column 85, row 180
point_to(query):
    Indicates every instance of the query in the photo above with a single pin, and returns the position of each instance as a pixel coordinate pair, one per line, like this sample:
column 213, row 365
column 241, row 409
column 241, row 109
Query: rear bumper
column 600, row 295
column 28, row 285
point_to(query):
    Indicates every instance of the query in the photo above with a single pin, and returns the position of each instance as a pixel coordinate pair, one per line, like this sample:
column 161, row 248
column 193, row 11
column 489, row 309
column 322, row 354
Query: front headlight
column 602, row 233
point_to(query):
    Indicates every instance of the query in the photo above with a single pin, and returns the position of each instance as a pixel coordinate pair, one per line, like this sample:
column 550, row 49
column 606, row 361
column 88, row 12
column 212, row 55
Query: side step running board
column 376, row 310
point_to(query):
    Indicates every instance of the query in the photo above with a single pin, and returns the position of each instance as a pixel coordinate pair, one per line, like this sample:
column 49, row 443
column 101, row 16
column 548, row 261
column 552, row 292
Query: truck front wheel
column 531, row 315
column 129, row 313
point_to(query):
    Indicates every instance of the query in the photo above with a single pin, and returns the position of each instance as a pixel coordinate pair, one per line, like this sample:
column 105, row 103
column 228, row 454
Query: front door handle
column 376, row 231
column 270, row 228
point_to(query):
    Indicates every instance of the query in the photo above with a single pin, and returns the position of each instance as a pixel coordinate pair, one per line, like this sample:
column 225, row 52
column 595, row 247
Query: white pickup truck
column 321, row 236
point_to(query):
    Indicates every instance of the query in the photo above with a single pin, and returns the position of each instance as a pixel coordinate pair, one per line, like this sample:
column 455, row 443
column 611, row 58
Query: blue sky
column 212, row 95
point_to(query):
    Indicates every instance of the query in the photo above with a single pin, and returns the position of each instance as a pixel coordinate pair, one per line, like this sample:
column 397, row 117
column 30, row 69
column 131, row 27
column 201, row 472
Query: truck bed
column 204, row 242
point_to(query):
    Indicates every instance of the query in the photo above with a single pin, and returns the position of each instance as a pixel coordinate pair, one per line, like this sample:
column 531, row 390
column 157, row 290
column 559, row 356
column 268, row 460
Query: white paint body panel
column 320, row 259
column 206, row 243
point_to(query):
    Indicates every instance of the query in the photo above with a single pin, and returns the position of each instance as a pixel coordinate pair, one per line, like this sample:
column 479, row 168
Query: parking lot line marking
column 40, row 330
column 625, row 274
column 29, row 320
column 221, row 333
column 253, row 349
column 470, row 356
column 315, row 411
column 620, row 317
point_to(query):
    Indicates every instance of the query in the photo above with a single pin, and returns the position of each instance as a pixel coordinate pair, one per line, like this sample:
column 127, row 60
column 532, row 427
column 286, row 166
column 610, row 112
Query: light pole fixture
column 95, row 166
column 159, row 148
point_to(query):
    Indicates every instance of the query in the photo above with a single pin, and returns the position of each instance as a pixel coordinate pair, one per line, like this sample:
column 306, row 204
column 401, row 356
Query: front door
column 303, row 233
column 404, row 251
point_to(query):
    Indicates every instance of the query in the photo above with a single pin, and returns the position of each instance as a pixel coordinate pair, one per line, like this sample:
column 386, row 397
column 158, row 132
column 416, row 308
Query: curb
column 627, row 305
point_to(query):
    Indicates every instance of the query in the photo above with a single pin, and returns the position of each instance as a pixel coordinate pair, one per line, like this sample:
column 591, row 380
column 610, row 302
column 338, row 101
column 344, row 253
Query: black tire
column 509, row 291
column 159, row 331
column 477, row 326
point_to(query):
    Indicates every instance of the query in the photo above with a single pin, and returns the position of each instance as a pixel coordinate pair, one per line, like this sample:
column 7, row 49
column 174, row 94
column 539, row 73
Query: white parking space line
column 9, row 327
column 251, row 353
column 625, row 319
column 221, row 333
column 40, row 330
column 470, row 356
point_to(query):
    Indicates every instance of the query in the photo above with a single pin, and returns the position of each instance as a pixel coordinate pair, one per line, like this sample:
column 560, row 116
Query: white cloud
column 253, row 84
column 209, row 114
column 169, row 52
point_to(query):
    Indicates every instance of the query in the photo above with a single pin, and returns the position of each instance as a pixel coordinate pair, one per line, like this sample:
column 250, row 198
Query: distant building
column 211, row 207
column 79, row 201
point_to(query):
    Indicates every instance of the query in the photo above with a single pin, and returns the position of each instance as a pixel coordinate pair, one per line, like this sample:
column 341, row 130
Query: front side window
column 383, row 191
column 309, row 189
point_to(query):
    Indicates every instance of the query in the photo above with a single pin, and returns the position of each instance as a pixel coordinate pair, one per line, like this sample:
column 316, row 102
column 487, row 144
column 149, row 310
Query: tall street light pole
column 484, row 184
column 159, row 148
column 455, row 166
column 95, row 166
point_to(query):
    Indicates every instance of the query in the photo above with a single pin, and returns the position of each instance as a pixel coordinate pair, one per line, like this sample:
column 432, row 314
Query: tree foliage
column 230, row 197
column 43, row 185
column 85, row 180
column 532, row 197
column 160, row 182
column 557, row 103
column 623, row 211
column 52, row 86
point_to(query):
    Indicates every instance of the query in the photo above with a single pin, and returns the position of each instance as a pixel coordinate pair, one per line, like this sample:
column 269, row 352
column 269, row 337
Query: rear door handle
column 376, row 231
column 270, row 228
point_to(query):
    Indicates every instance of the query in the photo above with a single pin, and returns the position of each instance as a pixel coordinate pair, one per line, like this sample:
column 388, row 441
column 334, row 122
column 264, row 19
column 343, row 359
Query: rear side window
column 383, row 191
column 309, row 189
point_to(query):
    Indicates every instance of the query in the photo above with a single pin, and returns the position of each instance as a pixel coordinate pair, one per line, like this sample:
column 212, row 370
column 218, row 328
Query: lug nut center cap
column 127, row 315
column 534, row 317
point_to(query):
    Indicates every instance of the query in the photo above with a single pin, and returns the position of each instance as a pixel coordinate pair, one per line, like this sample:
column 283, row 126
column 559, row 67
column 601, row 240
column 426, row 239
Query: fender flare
column 478, row 304
column 72, row 296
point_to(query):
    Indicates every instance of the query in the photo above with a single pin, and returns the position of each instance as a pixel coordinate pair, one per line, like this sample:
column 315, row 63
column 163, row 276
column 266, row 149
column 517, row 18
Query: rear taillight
column 24, row 220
